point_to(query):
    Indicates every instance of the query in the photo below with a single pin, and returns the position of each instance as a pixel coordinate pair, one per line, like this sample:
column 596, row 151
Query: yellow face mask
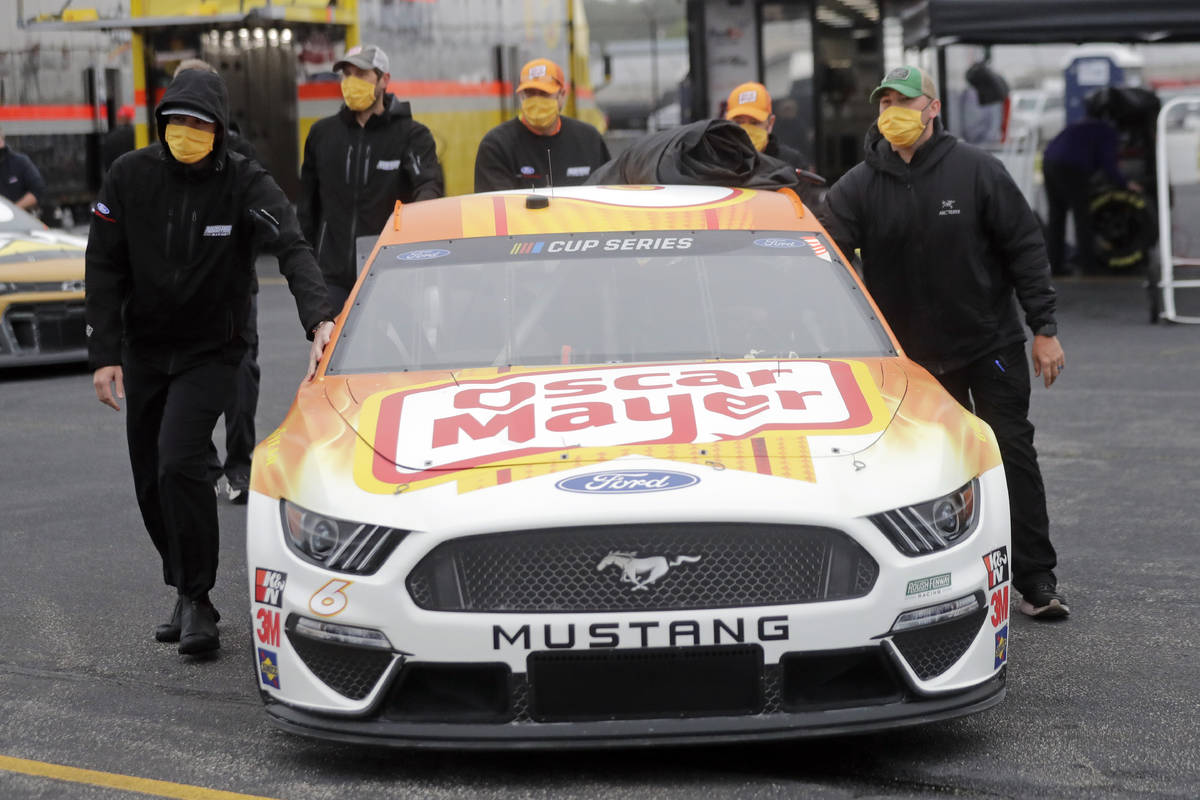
column 188, row 145
column 359, row 94
column 540, row 112
column 901, row 126
column 758, row 135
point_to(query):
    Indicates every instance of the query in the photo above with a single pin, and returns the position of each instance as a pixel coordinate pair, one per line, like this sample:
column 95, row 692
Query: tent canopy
column 937, row 22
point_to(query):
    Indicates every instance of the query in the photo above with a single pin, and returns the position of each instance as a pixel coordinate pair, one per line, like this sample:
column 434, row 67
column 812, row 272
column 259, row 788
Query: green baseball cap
column 908, row 81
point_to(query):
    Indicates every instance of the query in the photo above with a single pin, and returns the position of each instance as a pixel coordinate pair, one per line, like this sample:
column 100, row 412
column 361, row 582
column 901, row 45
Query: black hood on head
column 205, row 92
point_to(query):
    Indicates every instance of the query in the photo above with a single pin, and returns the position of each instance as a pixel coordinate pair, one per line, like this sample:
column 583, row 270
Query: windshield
column 602, row 298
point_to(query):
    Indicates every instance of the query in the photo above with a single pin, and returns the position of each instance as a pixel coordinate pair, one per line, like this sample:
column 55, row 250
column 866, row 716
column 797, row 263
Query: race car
column 616, row 465
column 41, row 292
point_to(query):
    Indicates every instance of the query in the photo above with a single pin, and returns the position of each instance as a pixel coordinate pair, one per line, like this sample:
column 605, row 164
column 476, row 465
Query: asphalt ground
column 1103, row 704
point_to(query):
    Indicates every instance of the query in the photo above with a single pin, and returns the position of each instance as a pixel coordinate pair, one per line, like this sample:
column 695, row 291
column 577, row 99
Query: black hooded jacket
column 946, row 241
column 170, row 254
column 353, row 175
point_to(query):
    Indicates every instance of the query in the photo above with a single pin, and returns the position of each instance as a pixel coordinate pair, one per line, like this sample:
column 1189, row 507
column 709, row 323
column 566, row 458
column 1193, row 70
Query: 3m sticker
column 268, row 586
column 268, row 627
column 1000, row 607
column 996, row 563
column 1001, row 647
column 268, row 668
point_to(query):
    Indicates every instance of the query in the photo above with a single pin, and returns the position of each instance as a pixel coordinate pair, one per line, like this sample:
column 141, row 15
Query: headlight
column 337, row 544
column 936, row 614
column 934, row 525
column 338, row 633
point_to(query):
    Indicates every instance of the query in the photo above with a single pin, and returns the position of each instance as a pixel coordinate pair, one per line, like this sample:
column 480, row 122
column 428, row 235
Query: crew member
column 540, row 147
column 20, row 180
column 358, row 163
column 947, row 240
column 243, row 401
column 1077, row 153
column 749, row 105
column 169, row 267
column 118, row 141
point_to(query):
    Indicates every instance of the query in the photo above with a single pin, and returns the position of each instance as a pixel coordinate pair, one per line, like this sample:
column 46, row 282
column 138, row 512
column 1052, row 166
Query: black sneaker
column 198, row 628
column 1043, row 601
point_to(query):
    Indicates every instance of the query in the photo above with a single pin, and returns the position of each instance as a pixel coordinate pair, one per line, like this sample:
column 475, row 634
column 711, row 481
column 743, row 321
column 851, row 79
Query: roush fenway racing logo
column 425, row 431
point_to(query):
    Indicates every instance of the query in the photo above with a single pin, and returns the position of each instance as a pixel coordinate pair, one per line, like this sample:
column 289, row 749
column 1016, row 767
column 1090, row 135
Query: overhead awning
column 257, row 17
column 937, row 22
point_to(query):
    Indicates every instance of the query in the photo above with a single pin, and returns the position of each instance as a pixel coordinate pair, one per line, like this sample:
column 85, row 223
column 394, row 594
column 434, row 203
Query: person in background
column 119, row 140
column 169, row 266
column 20, row 180
column 749, row 105
column 1069, row 162
column 541, row 147
column 947, row 242
column 243, row 401
column 357, row 164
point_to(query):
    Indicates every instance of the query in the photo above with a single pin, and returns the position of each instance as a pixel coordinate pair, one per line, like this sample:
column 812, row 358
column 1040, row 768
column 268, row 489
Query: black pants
column 169, row 420
column 239, row 414
column 996, row 387
column 1068, row 189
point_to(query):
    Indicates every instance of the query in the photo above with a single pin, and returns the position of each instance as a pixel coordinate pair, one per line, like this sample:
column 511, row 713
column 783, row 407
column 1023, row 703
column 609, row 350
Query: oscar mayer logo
column 423, row 432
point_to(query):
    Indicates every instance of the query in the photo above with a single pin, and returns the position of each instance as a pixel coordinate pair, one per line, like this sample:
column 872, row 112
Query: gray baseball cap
column 186, row 111
column 364, row 56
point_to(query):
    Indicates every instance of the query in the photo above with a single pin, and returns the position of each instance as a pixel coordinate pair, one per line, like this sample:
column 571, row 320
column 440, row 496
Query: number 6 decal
column 330, row 599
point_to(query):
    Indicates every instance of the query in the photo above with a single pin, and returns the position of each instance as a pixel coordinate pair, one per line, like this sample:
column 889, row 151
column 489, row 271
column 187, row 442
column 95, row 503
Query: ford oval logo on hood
column 627, row 482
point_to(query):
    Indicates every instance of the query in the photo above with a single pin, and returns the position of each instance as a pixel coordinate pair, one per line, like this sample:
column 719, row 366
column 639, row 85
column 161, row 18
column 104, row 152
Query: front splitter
column 642, row 732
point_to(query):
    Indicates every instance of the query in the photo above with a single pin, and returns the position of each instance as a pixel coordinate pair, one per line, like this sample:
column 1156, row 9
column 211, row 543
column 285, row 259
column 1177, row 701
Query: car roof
column 582, row 209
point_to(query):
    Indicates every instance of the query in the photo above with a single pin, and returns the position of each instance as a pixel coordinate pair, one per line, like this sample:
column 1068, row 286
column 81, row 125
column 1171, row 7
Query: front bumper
column 919, row 677
column 907, row 712
column 42, row 329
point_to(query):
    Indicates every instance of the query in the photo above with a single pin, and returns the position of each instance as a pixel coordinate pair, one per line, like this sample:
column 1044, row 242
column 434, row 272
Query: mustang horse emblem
column 642, row 572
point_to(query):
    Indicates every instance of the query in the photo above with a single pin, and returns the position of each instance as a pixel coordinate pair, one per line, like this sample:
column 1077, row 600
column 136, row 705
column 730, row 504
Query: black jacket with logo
column 19, row 176
column 946, row 242
column 170, row 254
column 353, row 175
column 513, row 157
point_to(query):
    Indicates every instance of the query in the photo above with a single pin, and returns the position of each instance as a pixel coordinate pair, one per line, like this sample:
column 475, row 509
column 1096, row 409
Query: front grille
column 655, row 682
column 581, row 685
column 47, row 327
column 641, row 568
column 933, row 650
column 350, row 671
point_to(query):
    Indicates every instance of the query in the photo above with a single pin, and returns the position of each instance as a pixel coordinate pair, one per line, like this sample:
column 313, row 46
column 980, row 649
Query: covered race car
column 622, row 465
column 41, row 292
